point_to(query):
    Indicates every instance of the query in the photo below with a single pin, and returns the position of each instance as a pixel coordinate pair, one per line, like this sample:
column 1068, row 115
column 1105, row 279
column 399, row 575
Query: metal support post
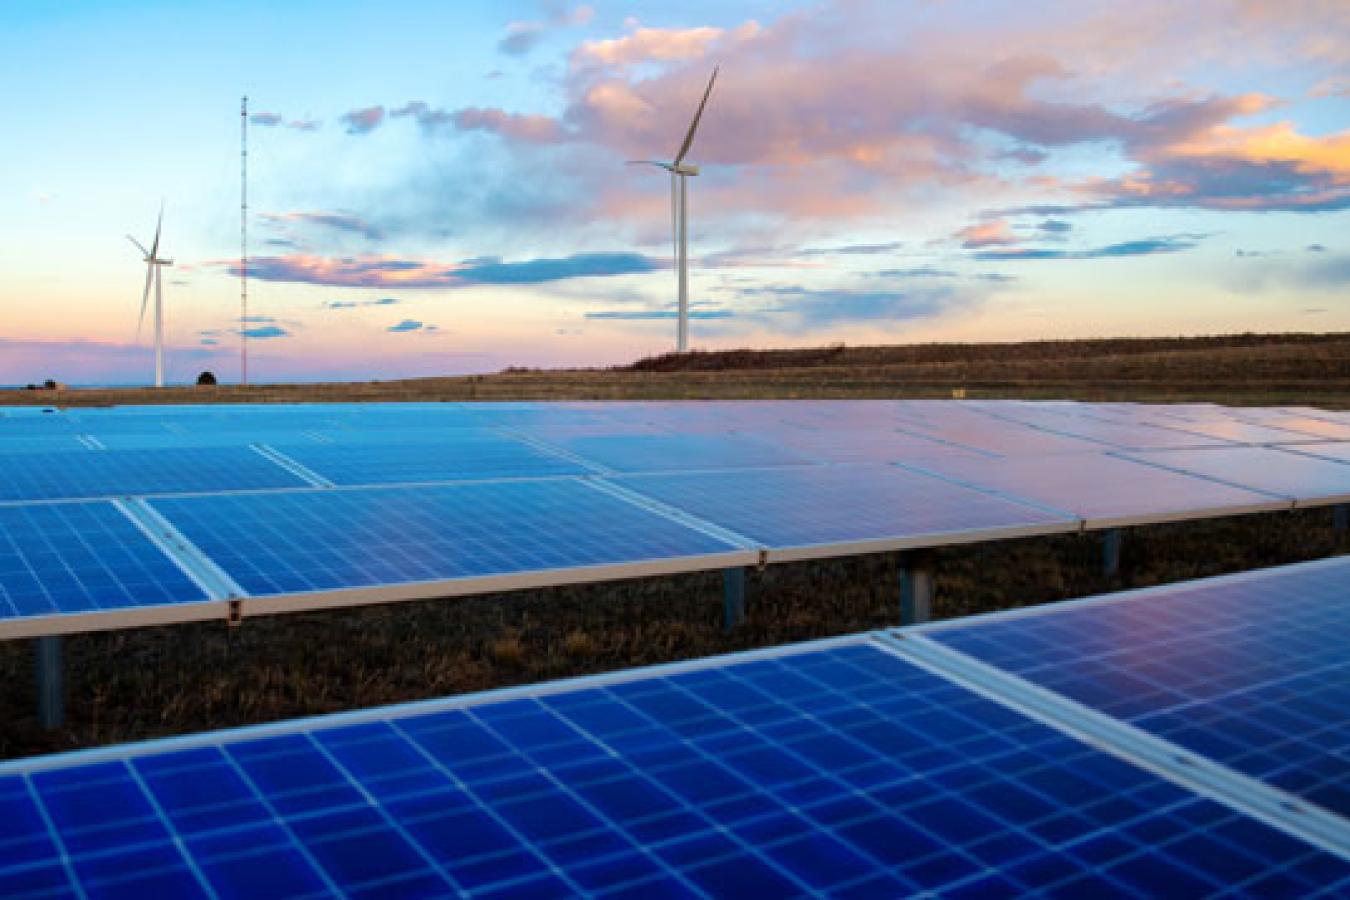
column 1111, row 552
column 733, row 597
column 51, row 712
column 1340, row 517
column 916, row 587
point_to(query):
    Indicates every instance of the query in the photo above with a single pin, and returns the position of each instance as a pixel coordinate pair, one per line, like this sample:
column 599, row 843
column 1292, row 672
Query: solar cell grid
column 872, row 445
column 66, row 558
column 1309, row 479
column 840, row 772
column 1251, row 672
column 47, row 443
column 283, row 542
column 807, row 510
column 119, row 472
column 1103, row 489
column 670, row 452
column 461, row 459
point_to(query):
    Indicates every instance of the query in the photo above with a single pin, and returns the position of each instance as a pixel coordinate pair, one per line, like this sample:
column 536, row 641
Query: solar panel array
column 774, row 480
column 854, row 767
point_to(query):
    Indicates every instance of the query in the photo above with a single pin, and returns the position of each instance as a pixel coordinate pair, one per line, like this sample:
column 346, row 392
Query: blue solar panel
column 43, row 443
column 453, row 460
column 805, row 506
column 1103, row 489
column 1252, row 673
column 284, row 542
column 830, row 772
column 673, row 452
column 79, row 557
column 1303, row 477
column 111, row 473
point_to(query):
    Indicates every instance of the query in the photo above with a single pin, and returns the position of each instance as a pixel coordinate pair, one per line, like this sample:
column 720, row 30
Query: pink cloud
column 987, row 234
column 659, row 44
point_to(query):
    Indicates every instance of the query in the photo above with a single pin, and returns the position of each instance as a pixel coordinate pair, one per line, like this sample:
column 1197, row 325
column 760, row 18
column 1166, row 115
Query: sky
column 440, row 188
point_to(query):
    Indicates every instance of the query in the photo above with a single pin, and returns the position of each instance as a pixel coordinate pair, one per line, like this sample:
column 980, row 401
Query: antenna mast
column 243, row 241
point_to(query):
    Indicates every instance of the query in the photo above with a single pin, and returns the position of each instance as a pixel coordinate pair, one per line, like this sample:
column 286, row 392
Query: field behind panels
column 789, row 478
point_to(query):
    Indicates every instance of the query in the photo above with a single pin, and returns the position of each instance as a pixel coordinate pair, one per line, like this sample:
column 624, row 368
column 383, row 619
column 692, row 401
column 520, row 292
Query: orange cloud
column 658, row 44
column 987, row 234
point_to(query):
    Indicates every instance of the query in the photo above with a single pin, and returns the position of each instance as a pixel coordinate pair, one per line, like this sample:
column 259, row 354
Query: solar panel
column 466, row 459
column 1308, row 479
column 284, row 542
column 805, row 511
column 43, row 443
column 1250, row 671
column 71, row 558
column 672, row 452
column 197, row 438
column 1133, row 436
column 398, row 435
column 866, row 445
column 829, row 771
column 1245, row 432
column 1333, row 450
column 110, row 473
column 1004, row 438
column 1103, row 490
column 1315, row 427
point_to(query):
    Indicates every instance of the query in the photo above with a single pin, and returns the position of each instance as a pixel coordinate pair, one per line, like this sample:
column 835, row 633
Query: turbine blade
column 154, row 248
column 145, row 298
column 693, row 126
column 139, row 246
column 647, row 162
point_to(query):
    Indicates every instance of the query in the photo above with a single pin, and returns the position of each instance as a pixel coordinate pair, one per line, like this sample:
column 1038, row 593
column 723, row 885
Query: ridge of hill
column 1240, row 369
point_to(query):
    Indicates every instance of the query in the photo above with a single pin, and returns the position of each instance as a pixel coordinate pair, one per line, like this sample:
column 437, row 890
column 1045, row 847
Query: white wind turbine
column 154, row 272
column 679, row 209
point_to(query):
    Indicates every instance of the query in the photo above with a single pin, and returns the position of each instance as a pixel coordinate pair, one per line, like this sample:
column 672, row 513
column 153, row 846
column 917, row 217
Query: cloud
column 1144, row 247
column 852, row 249
column 987, row 234
column 334, row 220
column 260, row 320
column 801, row 308
column 1326, row 271
column 354, row 304
column 642, row 314
column 371, row 271
column 918, row 272
column 658, row 44
column 522, row 37
column 267, row 331
column 1315, row 248
column 210, row 342
column 363, row 121
column 274, row 120
column 406, row 325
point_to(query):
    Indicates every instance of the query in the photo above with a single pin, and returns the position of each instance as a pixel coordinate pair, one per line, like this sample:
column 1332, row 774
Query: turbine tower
column 679, row 213
column 154, row 266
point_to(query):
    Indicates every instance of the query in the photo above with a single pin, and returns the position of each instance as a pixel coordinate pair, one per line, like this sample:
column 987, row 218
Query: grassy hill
column 1246, row 369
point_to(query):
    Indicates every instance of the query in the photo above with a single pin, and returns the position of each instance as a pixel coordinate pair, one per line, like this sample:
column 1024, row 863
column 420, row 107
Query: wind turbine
column 679, row 213
column 154, row 272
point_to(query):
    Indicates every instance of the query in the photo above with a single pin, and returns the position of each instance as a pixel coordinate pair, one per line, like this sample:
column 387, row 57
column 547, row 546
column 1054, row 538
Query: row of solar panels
column 152, row 557
column 921, row 427
column 1180, row 742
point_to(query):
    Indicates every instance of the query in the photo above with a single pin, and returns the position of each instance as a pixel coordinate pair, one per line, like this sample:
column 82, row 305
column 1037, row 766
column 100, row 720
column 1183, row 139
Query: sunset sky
column 439, row 187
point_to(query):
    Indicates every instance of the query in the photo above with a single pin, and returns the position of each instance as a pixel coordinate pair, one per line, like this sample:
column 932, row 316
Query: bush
column 206, row 378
